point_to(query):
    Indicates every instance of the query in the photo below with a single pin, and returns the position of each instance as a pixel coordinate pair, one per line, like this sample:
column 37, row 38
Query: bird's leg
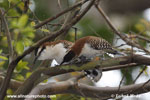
column 103, row 57
column 80, row 59
column 94, row 74
column 84, row 59
column 87, row 72
column 74, row 61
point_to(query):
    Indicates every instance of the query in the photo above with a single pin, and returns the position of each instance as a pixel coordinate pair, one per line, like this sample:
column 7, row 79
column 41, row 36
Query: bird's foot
column 83, row 59
column 94, row 74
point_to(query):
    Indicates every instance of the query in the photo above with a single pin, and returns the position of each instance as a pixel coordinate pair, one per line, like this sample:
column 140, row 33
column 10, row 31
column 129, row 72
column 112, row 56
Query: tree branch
column 140, row 37
column 92, row 91
column 70, row 86
column 9, row 40
column 105, row 65
column 120, row 66
column 13, row 84
column 123, row 37
column 41, row 87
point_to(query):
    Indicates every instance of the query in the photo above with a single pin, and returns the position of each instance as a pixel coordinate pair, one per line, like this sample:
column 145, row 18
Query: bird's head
column 38, row 52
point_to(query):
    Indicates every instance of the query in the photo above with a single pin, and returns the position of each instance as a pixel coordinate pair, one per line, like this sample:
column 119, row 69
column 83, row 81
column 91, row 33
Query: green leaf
column 3, row 58
column 4, row 4
column 21, row 6
column 32, row 23
column 82, row 98
column 30, row 35
column 1, row 51
column 13, row 1
column 53, row 97
column 22, row 21
column 22, row 65
column 28, row 74
column 145, row 72
column 2, row 63
column 26, row 67
column 19, row 77
column 45, row 81
column 140, row 27
column 19, row 47
column 9, row 91
column 27, row 42
column 13, row 12
column 27, row 29
column 45, row 30
column 28, row 32
column 14, row 24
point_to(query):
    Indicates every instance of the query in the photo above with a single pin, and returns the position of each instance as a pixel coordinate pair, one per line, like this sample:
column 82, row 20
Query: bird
column 56, row 50
column 52, row 50
column 88, row 48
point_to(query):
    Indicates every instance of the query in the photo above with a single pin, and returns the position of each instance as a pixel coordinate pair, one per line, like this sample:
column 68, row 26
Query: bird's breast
column 89, row 52
column 56, row 52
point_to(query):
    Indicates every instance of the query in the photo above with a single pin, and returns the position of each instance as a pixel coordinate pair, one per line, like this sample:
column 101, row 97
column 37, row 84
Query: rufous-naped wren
column 89, row 47
column 53, row 50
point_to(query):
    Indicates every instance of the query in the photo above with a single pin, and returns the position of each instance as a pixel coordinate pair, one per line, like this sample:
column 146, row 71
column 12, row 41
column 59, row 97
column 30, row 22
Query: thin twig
column 61, row 25
column 93, row 30
column 59, row 5
column 9, row 40
column 139, row 74
column 146, row 83
column 141, row 37
column 119, row 66
column 121, row 82
column 123, row 37
column 34, row 15
column 120, row 45
column 60, row 14
column 140, row 87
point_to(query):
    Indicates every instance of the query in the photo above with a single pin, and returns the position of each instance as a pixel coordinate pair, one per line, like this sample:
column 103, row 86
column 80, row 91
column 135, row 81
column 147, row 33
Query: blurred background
column 129, row 16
